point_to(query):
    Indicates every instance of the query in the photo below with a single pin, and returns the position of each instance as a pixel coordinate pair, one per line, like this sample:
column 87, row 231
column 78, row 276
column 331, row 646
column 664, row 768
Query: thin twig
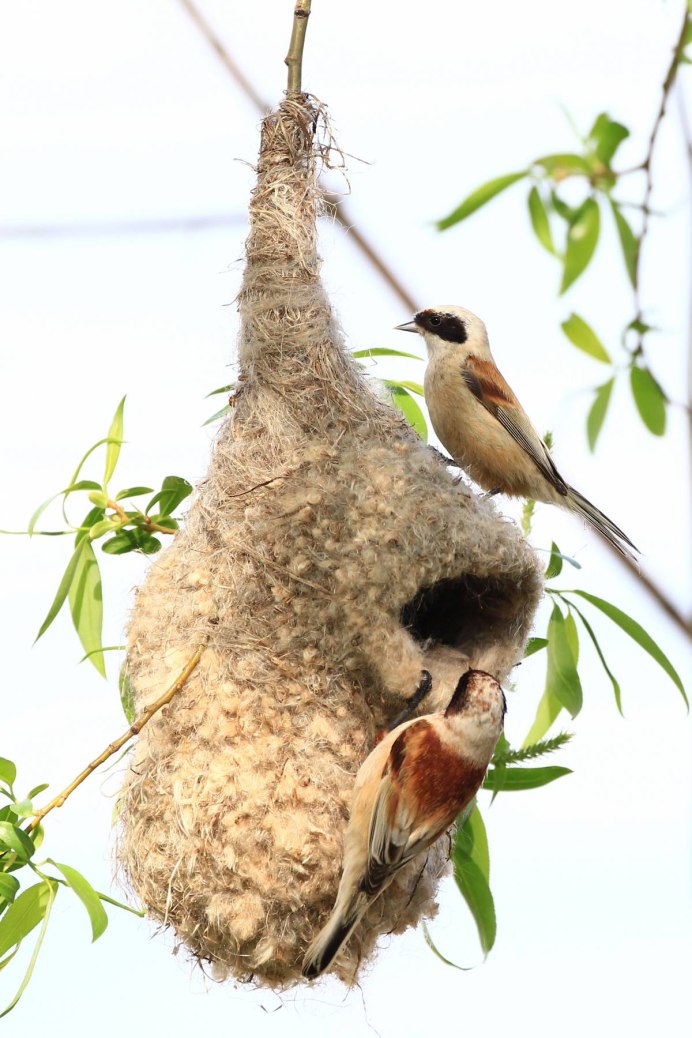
column 294, row 58
column 149, row 523
column 133, row 730
column 224, row 56
column 646, row 166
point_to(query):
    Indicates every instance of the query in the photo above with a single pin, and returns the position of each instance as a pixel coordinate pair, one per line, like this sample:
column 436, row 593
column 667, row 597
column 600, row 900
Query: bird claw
column 414, row 702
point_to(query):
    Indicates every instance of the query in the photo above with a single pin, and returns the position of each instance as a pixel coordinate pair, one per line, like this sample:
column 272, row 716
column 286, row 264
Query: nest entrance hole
column 465, row 613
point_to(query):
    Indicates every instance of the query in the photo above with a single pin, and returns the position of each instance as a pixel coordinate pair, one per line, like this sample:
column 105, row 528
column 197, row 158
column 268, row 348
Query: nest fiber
column 329, row 557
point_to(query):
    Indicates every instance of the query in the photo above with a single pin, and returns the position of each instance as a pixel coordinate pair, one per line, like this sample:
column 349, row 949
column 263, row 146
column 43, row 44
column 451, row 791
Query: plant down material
column 330, row 557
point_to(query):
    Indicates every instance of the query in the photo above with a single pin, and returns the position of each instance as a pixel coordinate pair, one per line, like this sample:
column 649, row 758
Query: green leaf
column 405, row 403
column 598, row 411
column 613, row 680
column 88, row 522
column 584, row 338
column 582, row 239
column 88, row 896
column 15, row 839
column 115, row 435
column 383, row 351
column 436, row 951
column 174, row 489
column 564, row 164
column 37, row 789
column 133, row 492
column 562, row 677
column 525, row 778
column 221, row 389
column 572, row 637
column 534, row 645
column 554, row 567
column 8, row 887
column 86, row 605
column 628, row 242
column 82, row 484
column 127, row 695
column 650, row 400
column 226, row 409
column 561, row 208
column 102, row 527
column 63, row 589
column 606, row 136
column 540, row 221
column 8, row 771
column 50, row 888
column 638, row 634
column 478, row 198
column 25, row 912
column 412, row 387
column 476, row 892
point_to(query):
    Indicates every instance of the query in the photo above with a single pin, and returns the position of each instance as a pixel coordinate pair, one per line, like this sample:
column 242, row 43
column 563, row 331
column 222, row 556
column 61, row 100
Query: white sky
column 121, row 112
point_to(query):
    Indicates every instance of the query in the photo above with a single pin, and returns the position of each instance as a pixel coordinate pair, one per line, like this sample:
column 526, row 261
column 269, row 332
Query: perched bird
column 479, row 420
column 407, row 793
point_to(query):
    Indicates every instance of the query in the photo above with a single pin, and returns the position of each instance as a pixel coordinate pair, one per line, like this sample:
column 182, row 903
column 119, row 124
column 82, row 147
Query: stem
column 294, row 58
column 133, row 730
column 646, row 165
column 125, row 518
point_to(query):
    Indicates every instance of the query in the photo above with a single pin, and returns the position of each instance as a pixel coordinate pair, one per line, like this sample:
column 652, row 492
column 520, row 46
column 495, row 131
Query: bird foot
column 414, row 702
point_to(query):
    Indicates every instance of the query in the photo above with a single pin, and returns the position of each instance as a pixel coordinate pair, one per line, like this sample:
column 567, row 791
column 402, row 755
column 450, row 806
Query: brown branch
column 133, row 730
column 656, row 593
column 294, row 58
column 646, row 167
column 224, row 57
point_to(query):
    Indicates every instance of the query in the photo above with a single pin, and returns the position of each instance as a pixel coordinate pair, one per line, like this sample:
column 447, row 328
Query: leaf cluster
column 570, row 233
column 24, row 907
column 119, row 530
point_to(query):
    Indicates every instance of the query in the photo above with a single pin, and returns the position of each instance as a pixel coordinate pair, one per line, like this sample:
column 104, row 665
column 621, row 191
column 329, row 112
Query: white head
column 449, row 329
column 476, row 713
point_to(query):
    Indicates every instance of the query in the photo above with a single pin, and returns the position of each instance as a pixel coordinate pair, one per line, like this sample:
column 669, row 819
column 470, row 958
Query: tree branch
column 294, row 58
column 133, row 730
column 646, row 165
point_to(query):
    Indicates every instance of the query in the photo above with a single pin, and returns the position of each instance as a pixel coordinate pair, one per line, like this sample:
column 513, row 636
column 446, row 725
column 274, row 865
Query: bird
column 407, row 793
column 479, row 420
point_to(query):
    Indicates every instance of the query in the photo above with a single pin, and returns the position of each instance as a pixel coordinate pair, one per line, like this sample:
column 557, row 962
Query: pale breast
column 473, row 436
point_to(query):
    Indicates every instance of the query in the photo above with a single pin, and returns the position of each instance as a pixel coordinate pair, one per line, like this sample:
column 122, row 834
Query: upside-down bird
column 408, row 791
column 481, row 423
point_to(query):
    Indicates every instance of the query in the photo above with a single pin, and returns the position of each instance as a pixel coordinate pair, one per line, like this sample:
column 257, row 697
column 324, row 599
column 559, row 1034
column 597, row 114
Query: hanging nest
column 329, row 557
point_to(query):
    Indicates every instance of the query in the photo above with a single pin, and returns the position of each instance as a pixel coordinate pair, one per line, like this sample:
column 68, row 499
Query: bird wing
column 395, row 835
column 494, row 393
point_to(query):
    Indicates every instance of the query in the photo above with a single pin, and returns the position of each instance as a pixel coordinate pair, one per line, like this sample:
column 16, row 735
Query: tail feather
column 333, row 936
column 601, row 522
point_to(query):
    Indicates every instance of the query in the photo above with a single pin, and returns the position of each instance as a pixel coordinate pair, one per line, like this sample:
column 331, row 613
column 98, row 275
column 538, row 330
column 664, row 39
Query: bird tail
column 601, row 523
column 333, row 935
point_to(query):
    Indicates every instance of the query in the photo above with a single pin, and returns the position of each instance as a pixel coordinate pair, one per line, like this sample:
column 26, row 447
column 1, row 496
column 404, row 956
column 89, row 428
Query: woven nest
column 329, row 557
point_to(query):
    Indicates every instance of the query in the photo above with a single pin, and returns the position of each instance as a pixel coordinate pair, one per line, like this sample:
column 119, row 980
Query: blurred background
column 126, row 151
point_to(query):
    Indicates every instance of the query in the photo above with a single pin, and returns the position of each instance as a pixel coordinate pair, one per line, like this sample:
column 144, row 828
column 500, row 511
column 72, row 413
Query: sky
column 122, row 113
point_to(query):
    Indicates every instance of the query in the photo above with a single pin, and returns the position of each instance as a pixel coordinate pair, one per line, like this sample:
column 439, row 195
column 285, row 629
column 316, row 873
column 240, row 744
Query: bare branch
column 133, row 730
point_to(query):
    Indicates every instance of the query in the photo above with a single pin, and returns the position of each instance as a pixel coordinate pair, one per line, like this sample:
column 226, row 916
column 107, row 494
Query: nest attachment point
column 329, row 557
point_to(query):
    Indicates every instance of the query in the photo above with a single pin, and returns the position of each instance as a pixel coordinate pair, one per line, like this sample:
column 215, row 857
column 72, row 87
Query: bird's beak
column 411, row 326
